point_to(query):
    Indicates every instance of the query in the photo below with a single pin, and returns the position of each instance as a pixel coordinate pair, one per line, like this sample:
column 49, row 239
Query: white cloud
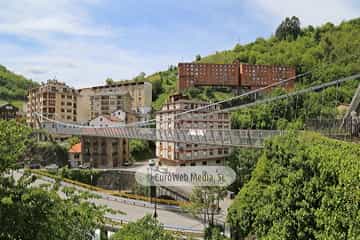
column 82, row 64
column 310, row 12
column 69, row 45
column 36, row 19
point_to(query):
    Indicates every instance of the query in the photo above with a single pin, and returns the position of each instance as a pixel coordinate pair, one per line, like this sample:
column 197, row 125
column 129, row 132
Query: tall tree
column 205, row 202
column 30, row 212
column 109, row 81
column 289, row 29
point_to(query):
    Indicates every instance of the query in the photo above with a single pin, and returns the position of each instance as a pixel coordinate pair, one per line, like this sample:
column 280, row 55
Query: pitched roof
column 4, row 105
column 75, row 148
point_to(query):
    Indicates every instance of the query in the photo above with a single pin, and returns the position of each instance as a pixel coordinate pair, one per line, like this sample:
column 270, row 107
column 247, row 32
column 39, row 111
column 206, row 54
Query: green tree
column 71, row 142
column 109, row 81
column 30, row 212
column 289, row 29
column 140, row 76
column 141, row 149
column 205, row 202
column 47, row 153
column 303, row 187
column 242, row 161
column 146, row 228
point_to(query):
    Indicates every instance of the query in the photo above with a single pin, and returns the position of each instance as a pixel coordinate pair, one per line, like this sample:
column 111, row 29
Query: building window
column 193, row 164
column 204, row 163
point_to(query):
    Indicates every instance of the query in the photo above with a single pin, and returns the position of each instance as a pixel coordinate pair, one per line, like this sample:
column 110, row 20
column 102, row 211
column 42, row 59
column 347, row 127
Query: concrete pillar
column 82, row 153
column 354, row 124
column 91, row 150
column 109, row 152
column 101, row 152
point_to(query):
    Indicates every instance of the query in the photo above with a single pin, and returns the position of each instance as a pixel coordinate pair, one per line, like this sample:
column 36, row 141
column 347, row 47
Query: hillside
column 13, row 87
column 303, row 187
column 328, row 51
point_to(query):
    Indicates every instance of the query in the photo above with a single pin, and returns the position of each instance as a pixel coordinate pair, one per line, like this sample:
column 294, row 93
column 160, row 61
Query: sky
column 83, row 42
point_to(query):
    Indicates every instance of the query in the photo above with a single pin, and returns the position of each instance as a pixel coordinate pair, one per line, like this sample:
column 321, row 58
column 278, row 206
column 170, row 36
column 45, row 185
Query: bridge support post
column 355, row 124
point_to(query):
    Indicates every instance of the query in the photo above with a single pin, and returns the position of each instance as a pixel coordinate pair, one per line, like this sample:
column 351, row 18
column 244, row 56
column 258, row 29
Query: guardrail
column 173, row 228
column 111, row 192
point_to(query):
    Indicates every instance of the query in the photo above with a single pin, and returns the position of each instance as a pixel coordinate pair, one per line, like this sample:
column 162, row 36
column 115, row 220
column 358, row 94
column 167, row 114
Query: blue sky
column 82, row 42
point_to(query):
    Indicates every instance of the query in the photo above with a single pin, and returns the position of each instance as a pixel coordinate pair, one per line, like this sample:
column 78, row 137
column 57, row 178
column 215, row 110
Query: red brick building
column 205, row 74
column 256, row 76
column 235, row 75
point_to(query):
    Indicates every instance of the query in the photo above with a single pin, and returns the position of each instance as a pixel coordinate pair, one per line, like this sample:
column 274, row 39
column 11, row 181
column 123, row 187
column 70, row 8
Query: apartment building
column 107, row 103
column 100, row 152
column 54, row 100
column 140, row 93
column 205, row 74
column 184, row 154
column 257, row 76
column 236, row 75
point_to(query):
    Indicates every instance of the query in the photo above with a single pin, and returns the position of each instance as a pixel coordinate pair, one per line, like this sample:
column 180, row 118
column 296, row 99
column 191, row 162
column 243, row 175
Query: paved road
column 170, row 219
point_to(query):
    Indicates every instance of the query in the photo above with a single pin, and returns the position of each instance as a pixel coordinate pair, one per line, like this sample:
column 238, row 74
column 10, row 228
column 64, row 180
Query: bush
column 87, row 176
column 303, row 187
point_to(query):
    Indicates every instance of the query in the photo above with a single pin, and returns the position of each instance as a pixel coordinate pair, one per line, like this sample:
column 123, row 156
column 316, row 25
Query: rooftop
column 75, row 148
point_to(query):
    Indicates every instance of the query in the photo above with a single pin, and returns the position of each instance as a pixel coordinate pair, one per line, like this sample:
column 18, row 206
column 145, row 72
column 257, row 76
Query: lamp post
column 152, row 185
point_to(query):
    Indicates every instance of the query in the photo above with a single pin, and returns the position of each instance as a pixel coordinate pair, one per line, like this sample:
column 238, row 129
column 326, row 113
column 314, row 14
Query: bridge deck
column 220, row 137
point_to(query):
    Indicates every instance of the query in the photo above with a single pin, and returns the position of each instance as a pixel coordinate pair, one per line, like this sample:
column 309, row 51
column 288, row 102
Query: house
column 8, row 111
column 75, row 158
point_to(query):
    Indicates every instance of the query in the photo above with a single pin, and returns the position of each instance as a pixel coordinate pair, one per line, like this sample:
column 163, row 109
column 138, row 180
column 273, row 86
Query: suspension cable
column 299, row 92
column 303, row 91
column 153, row 121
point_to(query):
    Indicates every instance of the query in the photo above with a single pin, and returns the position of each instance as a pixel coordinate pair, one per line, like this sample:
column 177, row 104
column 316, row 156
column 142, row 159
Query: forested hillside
column 303, row 187
column 13, row 87
column 328, row 51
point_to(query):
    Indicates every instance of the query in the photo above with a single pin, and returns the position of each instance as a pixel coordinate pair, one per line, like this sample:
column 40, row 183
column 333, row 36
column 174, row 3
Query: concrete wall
column 116, row 180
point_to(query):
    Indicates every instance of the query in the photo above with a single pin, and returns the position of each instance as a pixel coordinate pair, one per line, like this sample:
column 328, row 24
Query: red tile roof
column 75, row 148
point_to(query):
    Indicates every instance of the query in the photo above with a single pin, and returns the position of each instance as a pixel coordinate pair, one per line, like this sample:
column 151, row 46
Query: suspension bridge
column 220, row 137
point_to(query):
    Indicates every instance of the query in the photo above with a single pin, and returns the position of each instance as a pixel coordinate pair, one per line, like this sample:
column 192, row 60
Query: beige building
column 102, row 106
column 107, row 103
column 184, row 154
column 102, row 98
column 54, row 100
column 100, row 152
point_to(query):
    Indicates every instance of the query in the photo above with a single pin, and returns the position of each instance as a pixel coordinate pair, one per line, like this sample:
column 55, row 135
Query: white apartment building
column 184, row 154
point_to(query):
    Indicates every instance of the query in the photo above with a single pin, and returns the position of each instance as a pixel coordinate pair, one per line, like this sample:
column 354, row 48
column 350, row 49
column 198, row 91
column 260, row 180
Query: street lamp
column 152, row 185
